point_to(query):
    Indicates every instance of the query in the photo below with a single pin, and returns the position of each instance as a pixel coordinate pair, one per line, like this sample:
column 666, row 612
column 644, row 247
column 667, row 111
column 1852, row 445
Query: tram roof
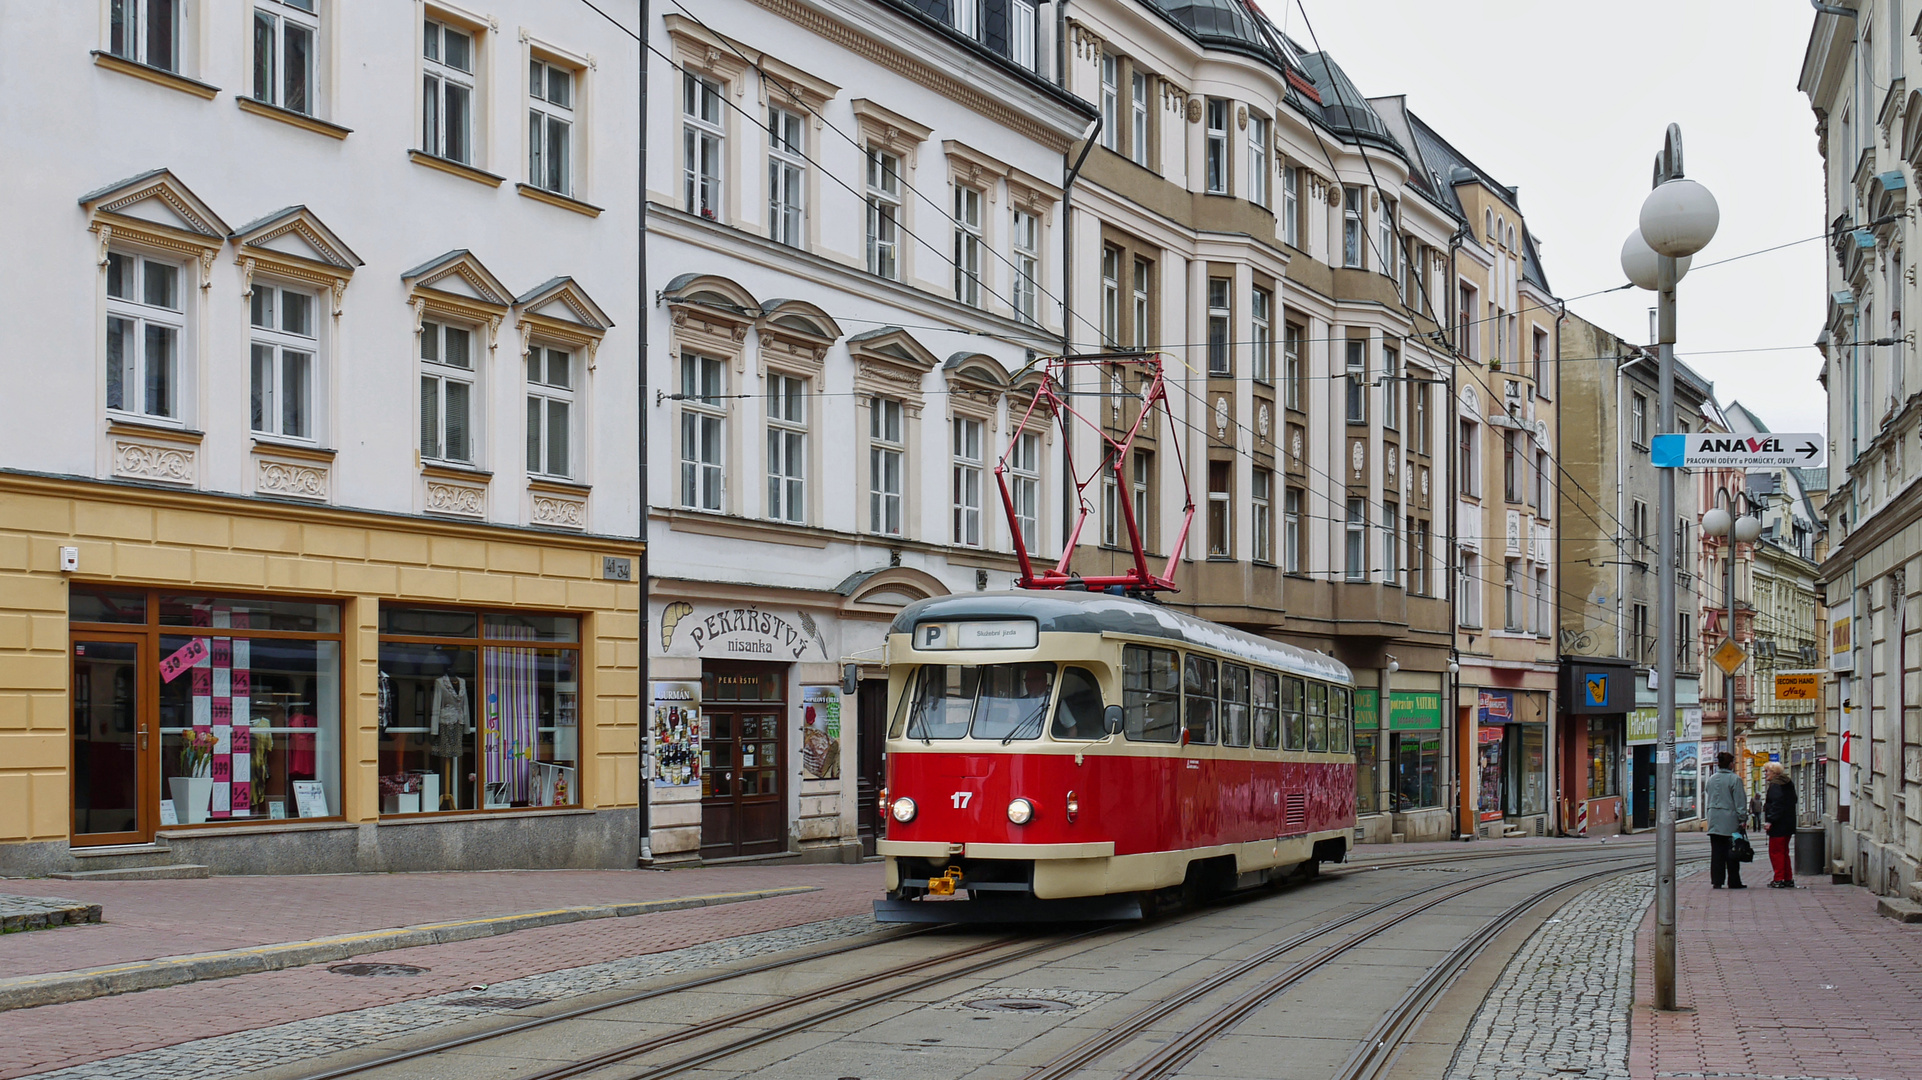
column 1098, row 613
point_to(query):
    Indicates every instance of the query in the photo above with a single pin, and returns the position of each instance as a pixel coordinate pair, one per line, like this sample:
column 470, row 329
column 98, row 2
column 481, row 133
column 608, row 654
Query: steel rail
column 1172, row 1054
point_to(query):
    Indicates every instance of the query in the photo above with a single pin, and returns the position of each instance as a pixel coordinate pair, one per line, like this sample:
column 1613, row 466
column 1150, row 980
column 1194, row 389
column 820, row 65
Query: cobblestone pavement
column 42, row 912
column 1806, row 983
column 57, row 1036
column 251, row 1051
column 147, row 919
column 1561, row 1006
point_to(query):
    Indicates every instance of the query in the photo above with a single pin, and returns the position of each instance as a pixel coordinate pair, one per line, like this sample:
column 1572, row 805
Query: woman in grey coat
column 1726, row 805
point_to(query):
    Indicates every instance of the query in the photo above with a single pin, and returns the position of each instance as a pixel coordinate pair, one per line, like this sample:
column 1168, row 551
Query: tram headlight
column 1020, row 811
column 903, row 810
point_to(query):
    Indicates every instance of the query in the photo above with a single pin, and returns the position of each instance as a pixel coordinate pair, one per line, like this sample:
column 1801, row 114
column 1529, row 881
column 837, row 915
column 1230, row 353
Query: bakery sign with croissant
column 739, row 632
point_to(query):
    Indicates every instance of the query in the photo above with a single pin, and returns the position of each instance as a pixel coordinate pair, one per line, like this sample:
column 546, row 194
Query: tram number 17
column 960, row 799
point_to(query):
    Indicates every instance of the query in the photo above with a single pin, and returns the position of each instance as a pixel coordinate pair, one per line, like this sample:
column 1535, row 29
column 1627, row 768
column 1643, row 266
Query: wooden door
column 871, row 767
column 113, row 741
column 744, row 750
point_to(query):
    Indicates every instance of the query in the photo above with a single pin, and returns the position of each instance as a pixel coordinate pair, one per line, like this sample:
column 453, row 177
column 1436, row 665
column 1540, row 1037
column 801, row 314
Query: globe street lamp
column 1678, row 219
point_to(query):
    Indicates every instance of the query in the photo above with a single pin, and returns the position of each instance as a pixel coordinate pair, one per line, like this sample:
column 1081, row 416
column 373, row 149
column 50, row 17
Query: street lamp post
column 1678, row 219
column 1743, row 530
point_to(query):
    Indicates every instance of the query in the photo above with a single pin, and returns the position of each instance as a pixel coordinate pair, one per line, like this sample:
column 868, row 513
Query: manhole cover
column 497, row 1002
column 377, row 969
column 1019, row 1005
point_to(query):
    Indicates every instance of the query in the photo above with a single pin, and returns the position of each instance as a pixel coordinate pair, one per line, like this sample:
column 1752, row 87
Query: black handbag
column 1742, row 849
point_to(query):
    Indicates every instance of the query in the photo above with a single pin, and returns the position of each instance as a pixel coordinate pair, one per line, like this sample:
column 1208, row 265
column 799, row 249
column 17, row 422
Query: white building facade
column 323, row 369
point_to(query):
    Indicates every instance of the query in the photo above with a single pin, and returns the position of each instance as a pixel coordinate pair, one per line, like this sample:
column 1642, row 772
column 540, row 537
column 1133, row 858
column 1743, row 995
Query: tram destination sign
column 1767, row 450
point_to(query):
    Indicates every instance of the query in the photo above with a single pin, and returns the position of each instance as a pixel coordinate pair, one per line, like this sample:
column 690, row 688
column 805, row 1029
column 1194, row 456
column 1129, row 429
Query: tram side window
column 943, row 702
column 1294, row 728
column 1317, row 718
column 1267, row 718
column 1200, row 685
column 1151, row 693
column 1234, row 705
column 1078, row 714
column 1338, row 719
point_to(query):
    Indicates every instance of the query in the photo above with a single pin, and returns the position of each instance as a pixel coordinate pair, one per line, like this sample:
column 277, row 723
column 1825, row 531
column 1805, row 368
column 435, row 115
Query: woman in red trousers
column 1778, row 812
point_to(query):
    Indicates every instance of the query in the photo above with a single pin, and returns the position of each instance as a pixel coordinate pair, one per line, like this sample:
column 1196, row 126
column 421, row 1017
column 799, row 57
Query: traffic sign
column 1798, row 685
column 1728, row 656
column 1764, row 451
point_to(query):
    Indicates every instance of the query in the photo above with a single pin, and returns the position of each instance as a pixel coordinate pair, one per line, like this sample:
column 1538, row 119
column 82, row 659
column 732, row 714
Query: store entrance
column 1644, row 768
column 113, row 743
column 870, row 733
column 744, row 755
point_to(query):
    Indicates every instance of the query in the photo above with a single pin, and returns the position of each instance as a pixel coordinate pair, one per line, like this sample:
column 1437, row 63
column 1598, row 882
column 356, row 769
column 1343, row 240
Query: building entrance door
column 114, row 759
column 871, row 735
column 744, row 754
column 1644, row 768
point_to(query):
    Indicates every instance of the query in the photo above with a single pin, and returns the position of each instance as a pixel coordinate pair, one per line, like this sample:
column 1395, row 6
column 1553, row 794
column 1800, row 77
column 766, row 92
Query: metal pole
column 1728, row 602
column 1665, row 960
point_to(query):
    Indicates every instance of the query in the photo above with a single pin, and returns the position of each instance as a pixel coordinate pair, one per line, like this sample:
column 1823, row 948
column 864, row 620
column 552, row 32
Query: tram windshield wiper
column 1019, row 731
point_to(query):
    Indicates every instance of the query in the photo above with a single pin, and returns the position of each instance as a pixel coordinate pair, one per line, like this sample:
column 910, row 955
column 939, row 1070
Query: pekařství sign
column 1762, row 451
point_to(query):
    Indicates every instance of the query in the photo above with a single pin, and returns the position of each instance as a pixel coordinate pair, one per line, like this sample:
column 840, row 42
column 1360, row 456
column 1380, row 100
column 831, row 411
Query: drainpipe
column 640, row 426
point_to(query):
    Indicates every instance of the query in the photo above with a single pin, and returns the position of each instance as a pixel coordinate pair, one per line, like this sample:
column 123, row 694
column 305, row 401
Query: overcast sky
column 1568, row 102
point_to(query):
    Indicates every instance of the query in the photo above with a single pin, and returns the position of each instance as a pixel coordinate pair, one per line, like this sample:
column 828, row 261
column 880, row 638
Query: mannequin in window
column 447, row 726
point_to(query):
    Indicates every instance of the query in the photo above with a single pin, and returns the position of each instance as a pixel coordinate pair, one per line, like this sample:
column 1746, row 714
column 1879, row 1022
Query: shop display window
column 1490, row 776
column 1367, row 777
column 469, row 722
column 1527, row 782
column 1417, row 759
column 1604, row 759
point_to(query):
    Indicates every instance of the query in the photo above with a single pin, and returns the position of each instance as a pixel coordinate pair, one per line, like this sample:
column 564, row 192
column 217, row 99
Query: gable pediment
column 459, row 276
column 156, row 198
column 296, row 232
column 562, row 300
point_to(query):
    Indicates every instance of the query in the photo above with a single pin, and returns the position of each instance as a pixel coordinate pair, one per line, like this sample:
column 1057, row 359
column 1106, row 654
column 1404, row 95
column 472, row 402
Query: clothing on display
column 447, row 720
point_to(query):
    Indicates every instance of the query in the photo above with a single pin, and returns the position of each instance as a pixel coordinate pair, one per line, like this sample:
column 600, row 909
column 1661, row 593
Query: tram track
column 875, row 989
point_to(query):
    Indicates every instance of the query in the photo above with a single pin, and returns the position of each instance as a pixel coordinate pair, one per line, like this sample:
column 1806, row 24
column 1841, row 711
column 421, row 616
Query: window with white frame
column 1144, row 471
column 447, row 92
column 146, row 320
column 1143, row 274
column 550, row 412
column 1512, row 467
column 1512, row 599
column 1257, row 185
column 1417, row 556
column 966, row 15
column 1353, row 237
column 1138, row 146
column 550, row 127
column 1357, row 539
column 702, row 142
column 1021, row 33
column 887, row 459
column 1391, row 543
column 1221, row 516
column 1465, row 320
column 447, row 393
column 787, row 434
column 1538, row 354
column 1544, row 612
column 285, row 32
column 1024, row 487
column 1386, row 249
column 1468, row 590
column 967, row 481
column 1111, row 294
column 1390, row 387
column 1260, row 313
column 1355, row 389
column 284, row 345
column 967, row 245
column 703, row 431
column 1217, row 146
column 1220, row 320
column 1110, row 509
column 1027, row 265
column 1292, row 373
column 1638, row 420
column 1110, row 101
column 786, row 177
column 1418, row 393
column 1468, row 459
column 1638, row 528
column 145, row 31
column 1544, row 483
column 1291, row 206
column 884, row 213
column 1291, row 531
column 1261, row 512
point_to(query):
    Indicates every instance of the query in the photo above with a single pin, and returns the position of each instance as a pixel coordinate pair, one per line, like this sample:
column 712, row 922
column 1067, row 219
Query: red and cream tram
column 1064, row 754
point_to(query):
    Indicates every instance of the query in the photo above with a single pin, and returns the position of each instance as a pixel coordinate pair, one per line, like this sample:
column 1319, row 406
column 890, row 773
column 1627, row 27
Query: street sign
column 1798, row 685
column 1764, row 451
column 1728, row 656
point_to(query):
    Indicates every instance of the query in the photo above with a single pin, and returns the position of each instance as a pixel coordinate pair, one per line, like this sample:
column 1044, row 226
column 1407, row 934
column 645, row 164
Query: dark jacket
column 1778, row 808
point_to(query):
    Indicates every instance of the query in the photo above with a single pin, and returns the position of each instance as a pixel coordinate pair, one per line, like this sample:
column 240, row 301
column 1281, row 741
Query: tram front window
column 1079, row 713
column 994, row 701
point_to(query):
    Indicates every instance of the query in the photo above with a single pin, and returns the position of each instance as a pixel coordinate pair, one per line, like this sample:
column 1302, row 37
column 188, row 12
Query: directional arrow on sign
column 1763, row 450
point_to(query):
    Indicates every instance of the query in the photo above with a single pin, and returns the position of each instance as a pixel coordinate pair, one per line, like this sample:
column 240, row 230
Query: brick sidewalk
column 1804, row 982
column 147, row 919
column 53, row 1036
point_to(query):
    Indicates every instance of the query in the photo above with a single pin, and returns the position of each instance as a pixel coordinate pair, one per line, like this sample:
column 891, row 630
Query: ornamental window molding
column 294, row 243
column 888, row 362
column 156, row 210
column 708, row 53
column 794, row 338
column 976, row 385
column 710, row 315
column 788, row 87
column 969, row 167
column 885, row 129
column 560, row 311
column 457, row 286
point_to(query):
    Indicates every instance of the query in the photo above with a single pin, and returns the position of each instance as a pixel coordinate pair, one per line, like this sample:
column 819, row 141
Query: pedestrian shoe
column 1714, row 886
column 1735, row 886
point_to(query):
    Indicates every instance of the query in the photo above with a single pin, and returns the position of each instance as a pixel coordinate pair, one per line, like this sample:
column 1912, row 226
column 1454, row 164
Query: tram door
column 870, row 733
column 744, row 745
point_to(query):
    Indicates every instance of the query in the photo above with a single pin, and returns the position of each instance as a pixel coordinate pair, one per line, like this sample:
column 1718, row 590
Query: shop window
column 1367, row 778
column 1527, row 780
column 1417, row 763
column 478, row 711
column 248, row 703
column 1491, row 775
column 1604, row 760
